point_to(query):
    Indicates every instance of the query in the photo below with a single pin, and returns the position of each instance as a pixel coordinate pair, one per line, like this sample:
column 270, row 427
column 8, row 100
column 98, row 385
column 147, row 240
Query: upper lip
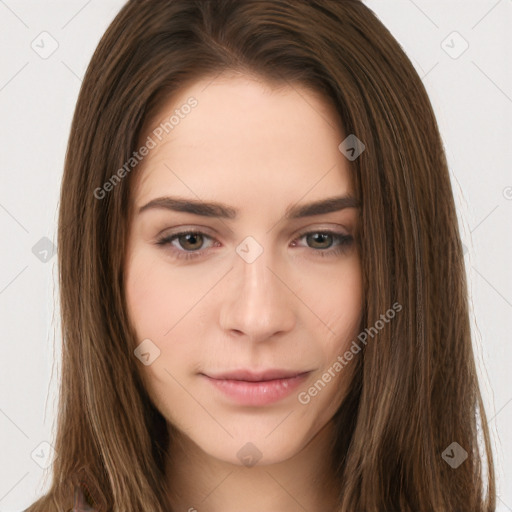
column 253, row 376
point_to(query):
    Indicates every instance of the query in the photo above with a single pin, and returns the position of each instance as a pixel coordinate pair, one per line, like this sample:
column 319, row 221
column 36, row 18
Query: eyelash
column 344, row 242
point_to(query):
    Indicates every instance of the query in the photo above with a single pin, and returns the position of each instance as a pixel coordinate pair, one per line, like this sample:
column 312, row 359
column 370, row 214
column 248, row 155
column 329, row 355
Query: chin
column 256, row 447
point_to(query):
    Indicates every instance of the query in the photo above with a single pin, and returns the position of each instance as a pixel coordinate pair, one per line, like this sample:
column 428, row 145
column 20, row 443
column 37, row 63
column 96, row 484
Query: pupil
column 318, row 237
column 193, row 236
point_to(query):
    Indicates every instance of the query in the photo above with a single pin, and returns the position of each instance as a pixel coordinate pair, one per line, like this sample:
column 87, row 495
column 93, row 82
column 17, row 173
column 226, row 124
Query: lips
column 252, row 376
column 250, row 388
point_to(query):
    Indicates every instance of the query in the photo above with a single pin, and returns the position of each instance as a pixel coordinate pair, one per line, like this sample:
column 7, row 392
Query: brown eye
column 324, row 239
column 190, row 241
column 186, row 244
column 326, row 243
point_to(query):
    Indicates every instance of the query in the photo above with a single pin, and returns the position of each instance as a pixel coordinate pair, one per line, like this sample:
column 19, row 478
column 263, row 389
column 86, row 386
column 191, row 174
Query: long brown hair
column 415, row 391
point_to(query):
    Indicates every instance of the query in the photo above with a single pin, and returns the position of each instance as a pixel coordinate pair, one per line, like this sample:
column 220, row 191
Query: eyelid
column 335, row 229
column 185, row 228
column 316, row 226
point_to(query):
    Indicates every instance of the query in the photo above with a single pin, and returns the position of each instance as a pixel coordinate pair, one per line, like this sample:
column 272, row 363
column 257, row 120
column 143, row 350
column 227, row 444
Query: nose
column 259, row 301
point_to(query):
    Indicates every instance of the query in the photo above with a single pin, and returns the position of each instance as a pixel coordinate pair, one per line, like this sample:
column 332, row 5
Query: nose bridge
column 257, row 279
column 259, row 303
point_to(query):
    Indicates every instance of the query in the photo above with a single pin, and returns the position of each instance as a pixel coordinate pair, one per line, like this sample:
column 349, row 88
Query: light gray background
column 472, row 97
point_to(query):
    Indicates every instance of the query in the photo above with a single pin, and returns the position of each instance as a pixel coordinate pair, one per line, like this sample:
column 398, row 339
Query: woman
column 254, row 369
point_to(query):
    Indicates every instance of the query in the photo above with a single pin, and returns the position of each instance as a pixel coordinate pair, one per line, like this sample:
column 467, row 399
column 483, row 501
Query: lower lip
column 260, row 392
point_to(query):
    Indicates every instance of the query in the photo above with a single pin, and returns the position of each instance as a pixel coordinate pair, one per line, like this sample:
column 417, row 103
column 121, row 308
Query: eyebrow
column 220, row 210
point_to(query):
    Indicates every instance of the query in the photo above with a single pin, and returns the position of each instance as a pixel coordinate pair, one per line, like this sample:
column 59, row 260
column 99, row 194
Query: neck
column 197, row 482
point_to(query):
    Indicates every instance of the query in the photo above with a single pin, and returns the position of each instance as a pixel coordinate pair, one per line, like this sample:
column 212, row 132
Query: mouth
column 252, row 376
column 247, row 387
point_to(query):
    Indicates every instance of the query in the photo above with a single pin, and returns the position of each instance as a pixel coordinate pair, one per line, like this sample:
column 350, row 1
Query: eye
column 325, row 240
column 191, row 243
column 188, row 240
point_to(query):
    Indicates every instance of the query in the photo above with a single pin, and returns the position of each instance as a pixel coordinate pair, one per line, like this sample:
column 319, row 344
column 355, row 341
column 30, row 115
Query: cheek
column 162, row 308
column 143, row 299
column 154, row 295
column 156, row 301
column 336, row 299
column 349, row 309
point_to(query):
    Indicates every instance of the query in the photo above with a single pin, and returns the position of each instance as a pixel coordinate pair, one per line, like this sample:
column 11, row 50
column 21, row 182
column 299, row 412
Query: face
column 246, row 304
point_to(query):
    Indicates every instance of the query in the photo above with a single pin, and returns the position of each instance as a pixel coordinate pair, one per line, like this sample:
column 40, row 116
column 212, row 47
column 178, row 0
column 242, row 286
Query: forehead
column 243, row 138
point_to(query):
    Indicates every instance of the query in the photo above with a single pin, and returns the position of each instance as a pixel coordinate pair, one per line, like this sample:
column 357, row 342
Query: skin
column 259, row 149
